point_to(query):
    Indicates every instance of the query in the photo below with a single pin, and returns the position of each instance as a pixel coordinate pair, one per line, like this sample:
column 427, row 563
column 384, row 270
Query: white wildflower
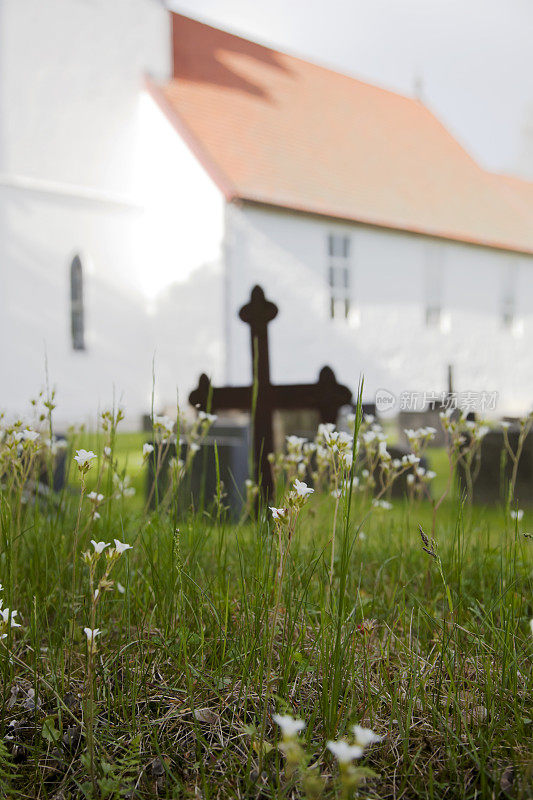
column 383, row 452
column 518, row 515
column 95, row 497
column 289, row 726
column 123, row 487
column 347, row 459
column 302, row 489
column 91, row 634
column 147, row 449
column 166, row 423
column 354, row 485
column 99, row 547
column 30, row 436
column 344, row 752
column 205, row 417
column 345, row 439
column 278, row 513
column 365, row 736
column 384, row 504
column 83, row 458
column 295, row 441
column 121, row 547
column 331, row 438
column 8, row 616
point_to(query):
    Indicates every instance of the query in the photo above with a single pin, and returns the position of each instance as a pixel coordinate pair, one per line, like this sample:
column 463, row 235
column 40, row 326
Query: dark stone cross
column 326, row 395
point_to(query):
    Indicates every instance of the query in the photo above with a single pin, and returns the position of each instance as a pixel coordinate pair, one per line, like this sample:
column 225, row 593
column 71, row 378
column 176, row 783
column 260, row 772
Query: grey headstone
column 421, row 419
column 200, row 486
column 495, row 469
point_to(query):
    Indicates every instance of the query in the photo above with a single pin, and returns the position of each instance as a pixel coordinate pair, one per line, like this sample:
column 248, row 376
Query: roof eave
column 377, row 223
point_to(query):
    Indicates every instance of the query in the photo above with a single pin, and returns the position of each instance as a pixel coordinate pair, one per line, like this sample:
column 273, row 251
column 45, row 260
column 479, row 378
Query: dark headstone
column 495, row 469
column 199, row 487
column 399, row 487
column 59, row 468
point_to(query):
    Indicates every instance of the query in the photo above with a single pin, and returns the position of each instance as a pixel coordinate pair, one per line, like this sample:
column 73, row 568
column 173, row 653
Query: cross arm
column 225, row 398
column 326, row 395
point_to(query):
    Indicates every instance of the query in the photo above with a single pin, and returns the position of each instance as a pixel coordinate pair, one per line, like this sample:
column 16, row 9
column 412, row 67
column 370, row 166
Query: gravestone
column 200, row 486
column 294, row 423
column 422, row 419
column 399, row 487
column 428, row 417
column 325, row 396
column 55, row 477
column 490, row 485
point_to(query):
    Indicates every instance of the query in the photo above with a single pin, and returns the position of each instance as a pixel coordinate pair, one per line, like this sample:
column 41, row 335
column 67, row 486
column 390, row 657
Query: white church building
column 153, row 169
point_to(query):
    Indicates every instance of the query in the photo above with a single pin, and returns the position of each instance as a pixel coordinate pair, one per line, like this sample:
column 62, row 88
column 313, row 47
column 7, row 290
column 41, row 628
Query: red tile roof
column 274, row 129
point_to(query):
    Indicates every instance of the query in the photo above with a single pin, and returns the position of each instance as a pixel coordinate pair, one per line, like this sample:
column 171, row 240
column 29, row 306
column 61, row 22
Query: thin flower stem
column 76, row 535
column 279, row 587
column 332, row 562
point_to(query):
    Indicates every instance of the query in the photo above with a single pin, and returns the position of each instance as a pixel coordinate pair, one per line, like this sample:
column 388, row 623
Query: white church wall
column 70, row 73
column 152, row 277
column 183, row 252
column 90, row 166
column 386, row 337
column 44, row 233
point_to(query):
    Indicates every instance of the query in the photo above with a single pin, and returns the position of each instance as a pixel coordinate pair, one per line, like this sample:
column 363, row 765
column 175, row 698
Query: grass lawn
column 204, row 635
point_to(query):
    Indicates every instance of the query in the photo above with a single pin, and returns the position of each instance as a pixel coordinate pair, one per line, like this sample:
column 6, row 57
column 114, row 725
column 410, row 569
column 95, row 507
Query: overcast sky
column 475, row 57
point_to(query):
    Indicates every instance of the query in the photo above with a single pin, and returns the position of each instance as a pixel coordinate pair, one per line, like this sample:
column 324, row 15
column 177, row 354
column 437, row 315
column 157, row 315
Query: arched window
column 76, row 305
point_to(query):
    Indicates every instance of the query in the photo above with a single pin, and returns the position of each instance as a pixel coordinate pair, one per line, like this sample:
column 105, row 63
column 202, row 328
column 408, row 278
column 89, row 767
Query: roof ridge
column 305, row 60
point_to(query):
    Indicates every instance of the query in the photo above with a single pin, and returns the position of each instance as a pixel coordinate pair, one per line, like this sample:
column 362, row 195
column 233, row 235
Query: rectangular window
column 339, row 270
column 434, row 256
column 433, row 316
column 76, row 305
column 508, row 312
column 508, row 296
